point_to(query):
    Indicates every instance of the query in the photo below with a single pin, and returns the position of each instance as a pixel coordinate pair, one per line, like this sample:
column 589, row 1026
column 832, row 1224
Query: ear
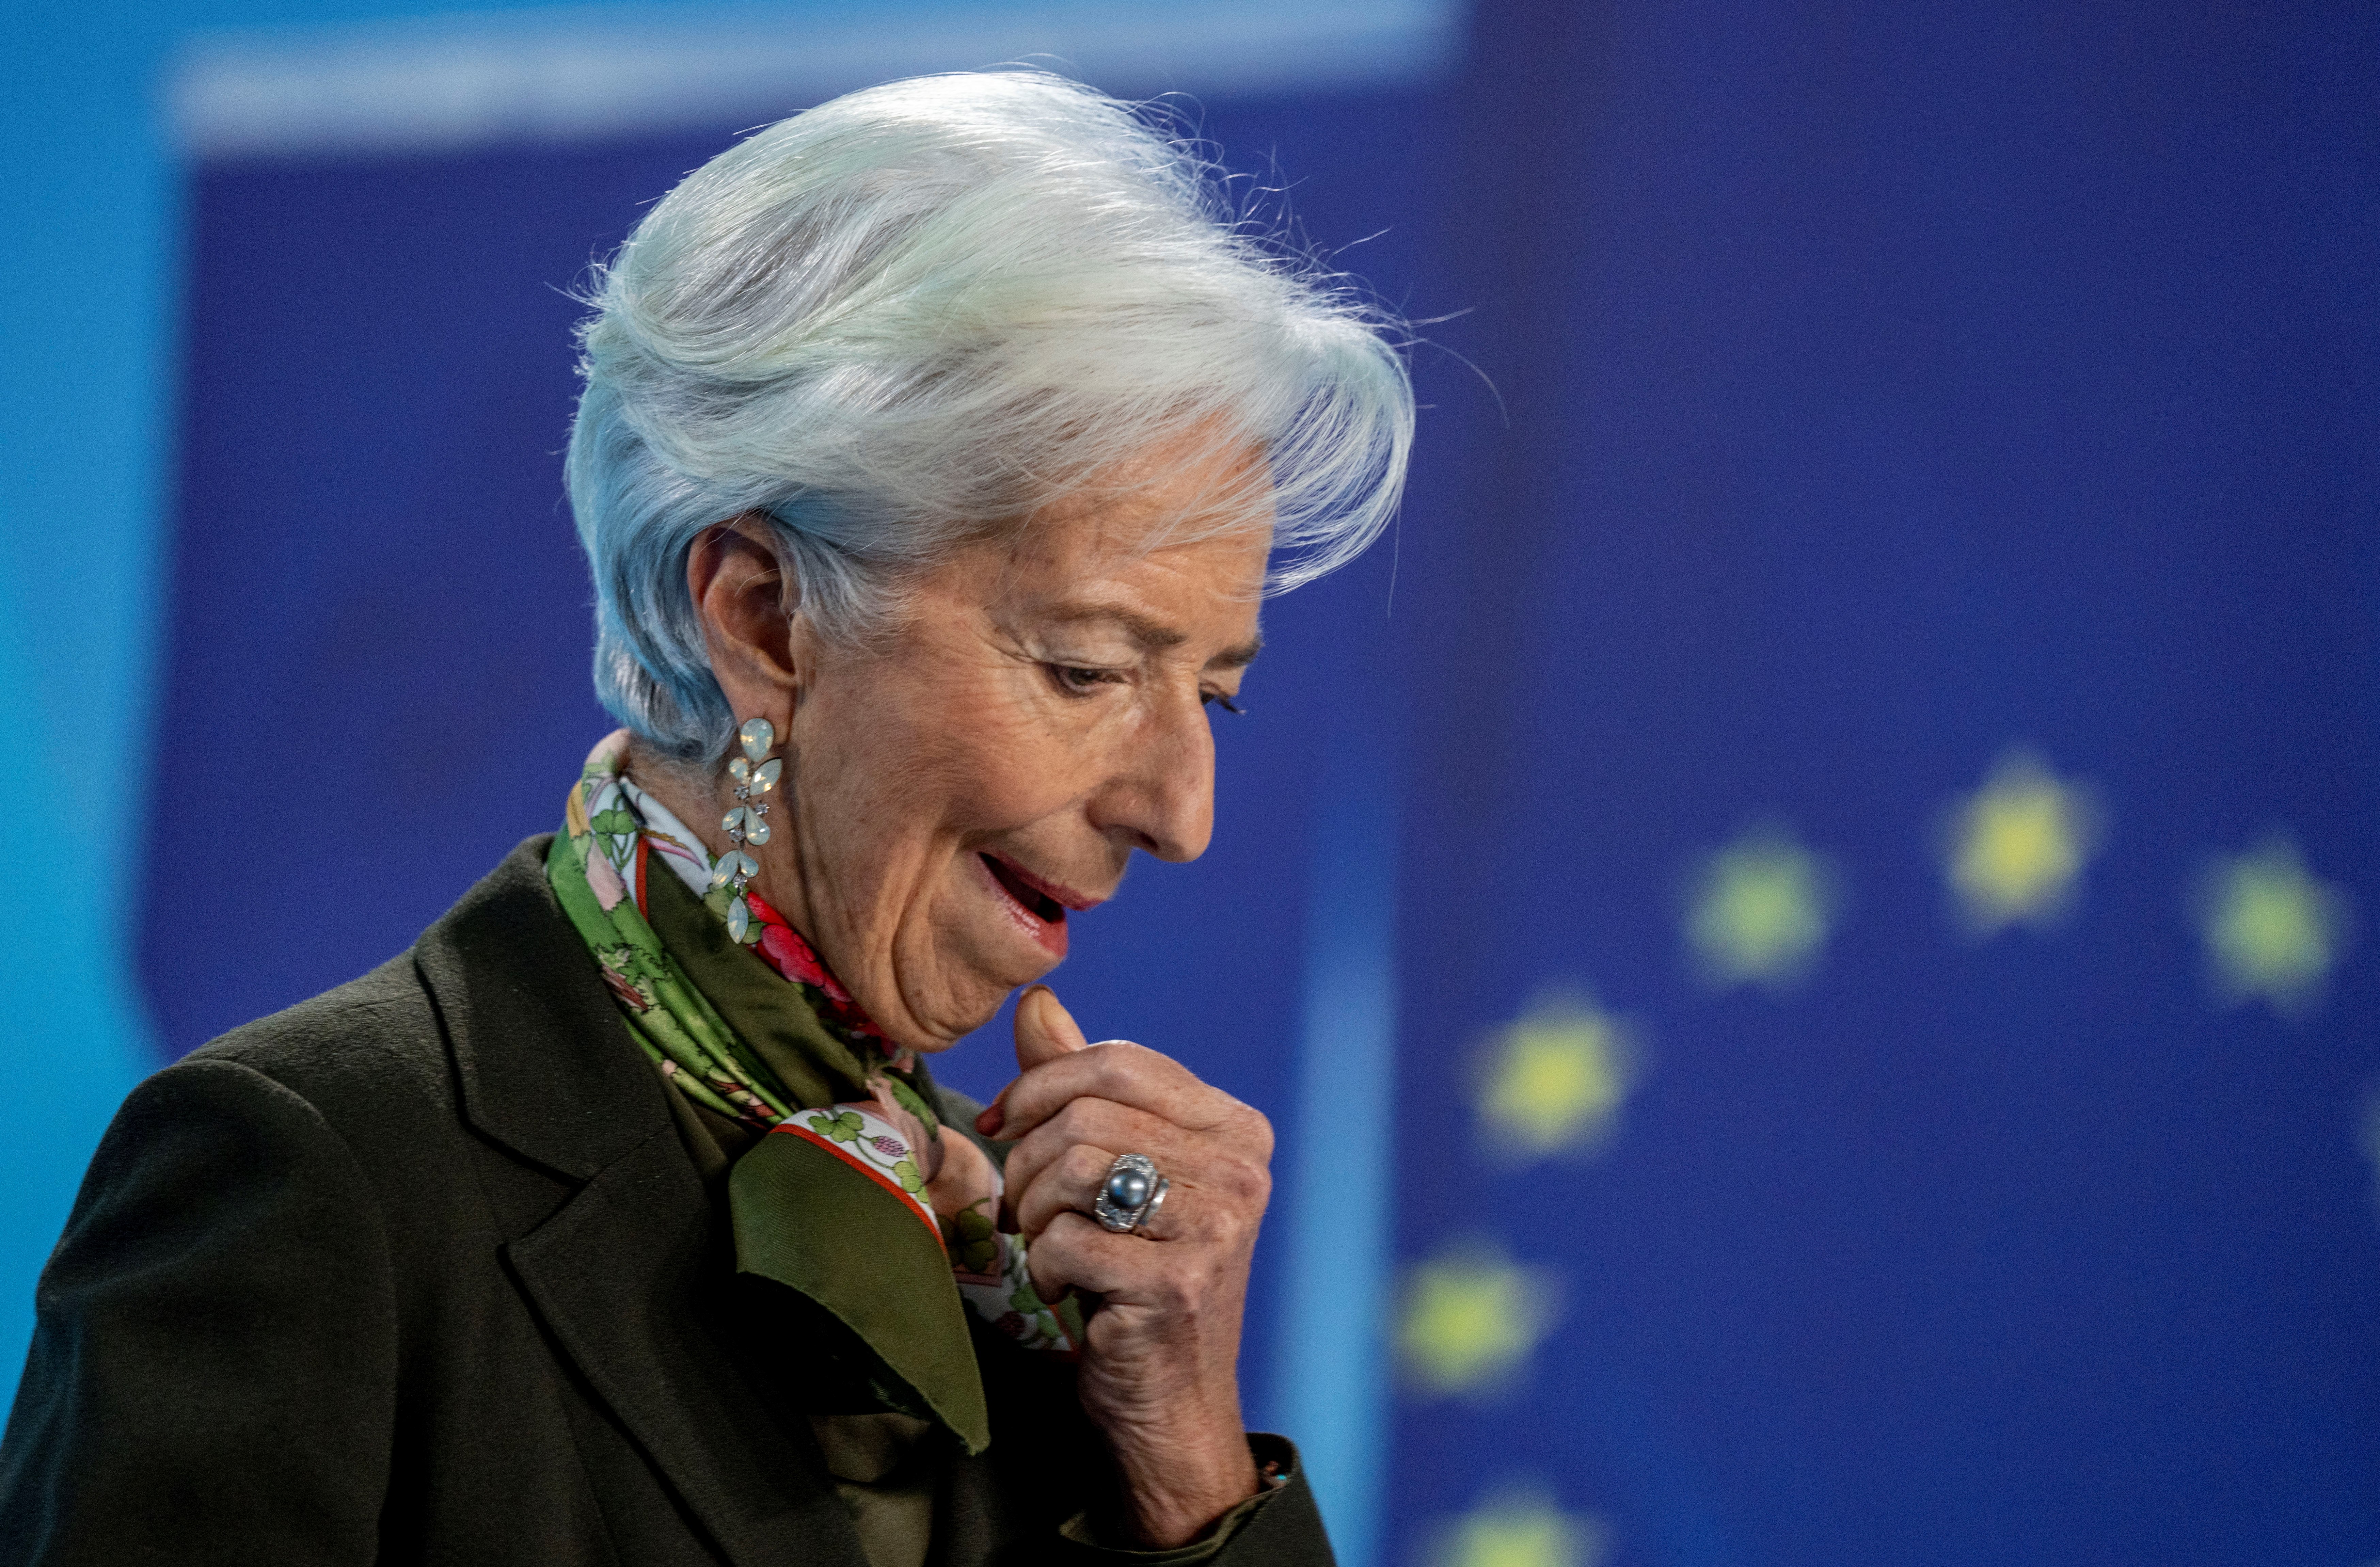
column 745, row 595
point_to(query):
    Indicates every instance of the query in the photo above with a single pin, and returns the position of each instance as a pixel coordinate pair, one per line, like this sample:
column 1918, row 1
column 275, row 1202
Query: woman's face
column 957, row 794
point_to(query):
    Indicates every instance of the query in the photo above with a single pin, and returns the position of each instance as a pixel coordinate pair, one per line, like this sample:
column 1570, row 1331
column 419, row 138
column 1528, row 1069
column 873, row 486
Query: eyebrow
column 1154, row 636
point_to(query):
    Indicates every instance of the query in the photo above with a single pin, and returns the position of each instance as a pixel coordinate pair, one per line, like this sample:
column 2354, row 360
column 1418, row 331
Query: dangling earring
column 755, row 772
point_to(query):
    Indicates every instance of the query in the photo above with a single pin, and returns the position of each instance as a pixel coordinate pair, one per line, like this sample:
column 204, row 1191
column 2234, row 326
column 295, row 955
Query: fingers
column 1216, row 1195
column 1126, row 1074
column 1067, row 1185
column 1045, row 1030
column 1107, row 1129
column 1074, row 1253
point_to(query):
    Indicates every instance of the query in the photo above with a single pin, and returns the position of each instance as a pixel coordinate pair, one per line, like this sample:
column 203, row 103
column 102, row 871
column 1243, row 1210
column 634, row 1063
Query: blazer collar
column 546, row 1066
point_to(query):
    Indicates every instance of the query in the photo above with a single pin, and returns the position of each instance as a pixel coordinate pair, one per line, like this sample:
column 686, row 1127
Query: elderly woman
column 937, row 448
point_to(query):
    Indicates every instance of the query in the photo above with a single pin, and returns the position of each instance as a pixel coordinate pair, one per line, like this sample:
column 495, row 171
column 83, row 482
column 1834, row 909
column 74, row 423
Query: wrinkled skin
column 1042, row 702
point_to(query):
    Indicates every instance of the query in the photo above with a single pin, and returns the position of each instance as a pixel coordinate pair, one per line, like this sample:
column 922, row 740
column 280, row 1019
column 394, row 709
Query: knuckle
column 1259, row 1131
column 1227, row 1226
column 1025, row 1165
column 1244, row 1181
column 1085, row 1163
column 1059, row 1241
column 1168, row 1285
column 1119, row 1066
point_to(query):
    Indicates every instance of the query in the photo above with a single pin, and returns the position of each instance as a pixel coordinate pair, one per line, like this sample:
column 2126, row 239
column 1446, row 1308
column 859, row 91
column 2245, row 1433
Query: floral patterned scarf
column 879, row 1126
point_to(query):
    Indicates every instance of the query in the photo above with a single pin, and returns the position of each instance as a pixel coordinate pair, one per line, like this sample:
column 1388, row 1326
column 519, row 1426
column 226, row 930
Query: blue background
column 1873, row 390
column 1887, row 388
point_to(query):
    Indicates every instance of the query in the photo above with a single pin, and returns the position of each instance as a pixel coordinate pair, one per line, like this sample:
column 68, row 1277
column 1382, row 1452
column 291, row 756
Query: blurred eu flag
column 1905, row 673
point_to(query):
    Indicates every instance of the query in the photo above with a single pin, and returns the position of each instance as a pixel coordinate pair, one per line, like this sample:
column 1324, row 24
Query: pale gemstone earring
column 746, row 825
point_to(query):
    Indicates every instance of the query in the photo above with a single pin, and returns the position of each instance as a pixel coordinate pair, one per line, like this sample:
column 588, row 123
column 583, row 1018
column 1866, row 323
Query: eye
column 1075, row 680
column 1217, row 699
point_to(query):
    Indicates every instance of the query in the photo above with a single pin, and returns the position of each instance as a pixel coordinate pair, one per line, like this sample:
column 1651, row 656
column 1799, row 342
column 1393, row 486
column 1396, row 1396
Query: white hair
column 918, row 312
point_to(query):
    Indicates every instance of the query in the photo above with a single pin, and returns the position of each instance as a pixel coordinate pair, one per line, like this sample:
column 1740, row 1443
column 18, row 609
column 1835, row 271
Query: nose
column 1161, row 795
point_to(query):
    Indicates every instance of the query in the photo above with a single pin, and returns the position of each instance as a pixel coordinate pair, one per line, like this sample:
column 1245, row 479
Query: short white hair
column 911, row 315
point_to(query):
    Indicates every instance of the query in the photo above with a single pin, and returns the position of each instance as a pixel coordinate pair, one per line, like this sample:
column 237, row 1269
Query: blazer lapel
column 625, row 1274
column 637, row 1306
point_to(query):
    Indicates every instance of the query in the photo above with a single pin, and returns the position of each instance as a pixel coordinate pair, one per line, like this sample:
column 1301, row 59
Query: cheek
column 999, row 751
column 960, row 757
column 1010, row 768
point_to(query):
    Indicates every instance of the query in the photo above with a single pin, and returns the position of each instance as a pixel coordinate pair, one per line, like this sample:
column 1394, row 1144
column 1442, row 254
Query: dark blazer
column 420, row 1271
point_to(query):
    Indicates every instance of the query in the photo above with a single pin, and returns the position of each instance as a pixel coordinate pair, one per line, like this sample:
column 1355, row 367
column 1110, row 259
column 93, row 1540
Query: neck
column 698, row 797
column 688, row 788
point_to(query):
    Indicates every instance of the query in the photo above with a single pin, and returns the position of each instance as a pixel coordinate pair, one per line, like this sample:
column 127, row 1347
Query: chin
column 993, row 986
column 967, row 992
column 985, row 937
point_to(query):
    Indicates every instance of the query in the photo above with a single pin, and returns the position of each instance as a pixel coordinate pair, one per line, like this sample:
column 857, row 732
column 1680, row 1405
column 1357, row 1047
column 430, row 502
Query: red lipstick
column 1032, row 902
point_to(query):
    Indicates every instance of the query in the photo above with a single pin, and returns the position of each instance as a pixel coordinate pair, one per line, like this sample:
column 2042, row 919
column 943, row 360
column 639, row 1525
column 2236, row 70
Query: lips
column 1040, row 905
column 1037, row 905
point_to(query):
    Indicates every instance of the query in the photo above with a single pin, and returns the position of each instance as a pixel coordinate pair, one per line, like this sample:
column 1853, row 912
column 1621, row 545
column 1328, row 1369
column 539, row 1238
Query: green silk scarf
column 852, row 1192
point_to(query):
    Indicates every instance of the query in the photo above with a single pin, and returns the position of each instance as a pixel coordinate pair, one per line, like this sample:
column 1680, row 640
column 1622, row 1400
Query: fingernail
column 987, row 1119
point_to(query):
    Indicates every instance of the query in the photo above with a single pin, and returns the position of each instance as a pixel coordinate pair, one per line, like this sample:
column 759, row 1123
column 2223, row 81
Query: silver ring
column 1130, row 1194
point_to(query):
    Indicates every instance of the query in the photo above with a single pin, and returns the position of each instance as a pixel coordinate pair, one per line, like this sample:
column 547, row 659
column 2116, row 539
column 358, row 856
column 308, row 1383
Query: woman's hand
column 1160, row 1368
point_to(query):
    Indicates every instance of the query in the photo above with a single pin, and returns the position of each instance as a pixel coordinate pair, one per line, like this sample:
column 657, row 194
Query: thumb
column 1045, row 1031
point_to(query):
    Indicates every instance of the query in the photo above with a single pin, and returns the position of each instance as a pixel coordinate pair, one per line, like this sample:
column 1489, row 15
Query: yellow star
column 1524, row 1529
column 1760, row 911
column 1469, row 1316
column 2271, row 928
column 2017, row 845
column 1556, row 1078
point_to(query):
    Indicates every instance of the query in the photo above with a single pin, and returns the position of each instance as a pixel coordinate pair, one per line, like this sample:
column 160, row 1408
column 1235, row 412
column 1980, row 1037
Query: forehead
column 1086, row 571
column 1182, row 532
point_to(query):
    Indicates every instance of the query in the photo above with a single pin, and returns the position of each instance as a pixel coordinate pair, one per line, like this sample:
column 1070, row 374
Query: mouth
column 1039, row 906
